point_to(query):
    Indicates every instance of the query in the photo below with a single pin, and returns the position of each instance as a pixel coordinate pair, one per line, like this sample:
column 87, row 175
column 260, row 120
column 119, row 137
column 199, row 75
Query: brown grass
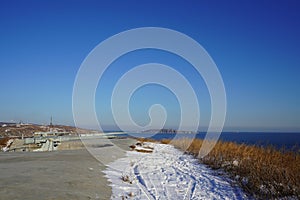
column 264, row 172
column 126, row 178
column 3, row 141
column 165, row 141
column 141, row 140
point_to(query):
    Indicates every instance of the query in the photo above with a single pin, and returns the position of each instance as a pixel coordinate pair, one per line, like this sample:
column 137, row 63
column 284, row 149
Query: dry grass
column 126, row 178
column 141, row 140
column 3, row 141
column 165, row 141
column 264, row 172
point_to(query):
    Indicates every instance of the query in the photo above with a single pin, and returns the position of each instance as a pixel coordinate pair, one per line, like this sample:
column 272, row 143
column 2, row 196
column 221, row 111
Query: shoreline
column 79, row 167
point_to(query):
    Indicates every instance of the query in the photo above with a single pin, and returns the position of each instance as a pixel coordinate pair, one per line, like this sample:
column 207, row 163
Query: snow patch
column 8, row 144
column 166, row 173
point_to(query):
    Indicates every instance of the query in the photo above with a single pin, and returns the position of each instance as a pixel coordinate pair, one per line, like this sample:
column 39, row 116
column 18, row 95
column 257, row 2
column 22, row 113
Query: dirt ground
column 65, row 174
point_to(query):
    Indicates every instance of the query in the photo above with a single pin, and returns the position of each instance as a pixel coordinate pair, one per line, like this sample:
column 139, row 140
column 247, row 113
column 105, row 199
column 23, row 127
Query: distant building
column 49, row 134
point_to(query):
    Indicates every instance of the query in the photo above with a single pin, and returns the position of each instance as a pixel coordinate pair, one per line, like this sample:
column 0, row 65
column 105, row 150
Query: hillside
column 16, row 130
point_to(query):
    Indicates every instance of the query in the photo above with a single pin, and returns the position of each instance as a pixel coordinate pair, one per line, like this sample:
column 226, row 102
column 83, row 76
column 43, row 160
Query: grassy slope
column 264, row 172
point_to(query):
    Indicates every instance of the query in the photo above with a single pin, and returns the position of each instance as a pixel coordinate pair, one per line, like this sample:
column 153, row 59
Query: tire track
column 167, row 174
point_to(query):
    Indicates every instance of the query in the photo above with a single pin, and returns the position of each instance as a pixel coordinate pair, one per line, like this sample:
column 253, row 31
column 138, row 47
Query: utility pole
column 51, row 122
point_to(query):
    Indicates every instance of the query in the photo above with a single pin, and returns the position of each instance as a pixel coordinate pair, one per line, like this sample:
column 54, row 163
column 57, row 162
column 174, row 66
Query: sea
column 283, row 140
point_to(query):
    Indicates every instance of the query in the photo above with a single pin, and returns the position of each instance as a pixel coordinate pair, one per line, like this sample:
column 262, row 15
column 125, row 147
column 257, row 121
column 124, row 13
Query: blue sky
column 255, row 45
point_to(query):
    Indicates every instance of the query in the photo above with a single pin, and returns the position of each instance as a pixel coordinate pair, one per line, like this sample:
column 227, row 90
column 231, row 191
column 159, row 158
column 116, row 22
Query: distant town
column 166, row 131
column 33, row 137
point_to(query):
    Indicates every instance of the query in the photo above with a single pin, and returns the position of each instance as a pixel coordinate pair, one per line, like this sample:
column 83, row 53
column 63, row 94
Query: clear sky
column 255, row 45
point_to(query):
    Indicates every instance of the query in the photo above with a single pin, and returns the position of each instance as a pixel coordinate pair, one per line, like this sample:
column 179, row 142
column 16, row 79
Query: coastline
column 77, row 170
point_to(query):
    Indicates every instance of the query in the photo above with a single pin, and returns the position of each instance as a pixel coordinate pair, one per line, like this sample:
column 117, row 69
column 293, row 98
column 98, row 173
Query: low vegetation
column 127, row 178
column 3, row 141
column 264, row 172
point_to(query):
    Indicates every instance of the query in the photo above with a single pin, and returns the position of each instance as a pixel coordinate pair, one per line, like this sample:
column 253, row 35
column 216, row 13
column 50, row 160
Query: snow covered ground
column 166, row 173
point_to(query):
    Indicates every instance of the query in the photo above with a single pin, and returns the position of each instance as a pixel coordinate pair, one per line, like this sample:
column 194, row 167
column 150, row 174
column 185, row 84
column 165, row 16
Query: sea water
column 287, row 140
